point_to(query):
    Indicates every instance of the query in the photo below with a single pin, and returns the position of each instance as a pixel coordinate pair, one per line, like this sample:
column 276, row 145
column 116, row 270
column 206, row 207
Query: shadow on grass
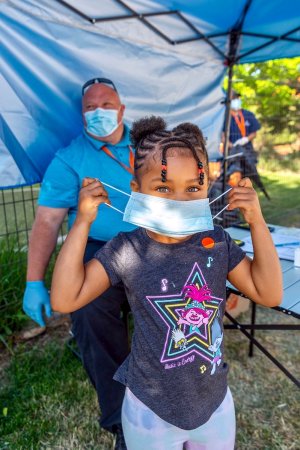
column 270, row 159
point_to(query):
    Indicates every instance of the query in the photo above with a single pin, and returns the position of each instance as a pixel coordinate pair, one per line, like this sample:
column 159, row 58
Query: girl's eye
column 162, row 189
column 193, row 189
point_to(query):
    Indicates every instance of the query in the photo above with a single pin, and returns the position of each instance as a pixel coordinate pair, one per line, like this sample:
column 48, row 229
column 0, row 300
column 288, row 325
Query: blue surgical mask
column 236, row 104
column 101, row 122
column 173, row 218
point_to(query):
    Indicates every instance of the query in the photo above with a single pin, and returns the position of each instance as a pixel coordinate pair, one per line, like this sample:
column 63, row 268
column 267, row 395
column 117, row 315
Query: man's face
column 101, row 96
column 236, row 103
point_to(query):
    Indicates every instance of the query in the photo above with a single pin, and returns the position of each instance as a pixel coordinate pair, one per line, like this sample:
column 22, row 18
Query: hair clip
column 201, row 173
column 163, row 170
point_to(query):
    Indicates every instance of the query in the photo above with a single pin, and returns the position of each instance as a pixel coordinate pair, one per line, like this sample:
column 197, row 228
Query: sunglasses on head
column 96, row 81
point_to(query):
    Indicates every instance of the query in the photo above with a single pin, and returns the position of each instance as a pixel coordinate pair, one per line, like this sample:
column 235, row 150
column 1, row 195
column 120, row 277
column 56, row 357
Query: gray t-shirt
column 177, row 294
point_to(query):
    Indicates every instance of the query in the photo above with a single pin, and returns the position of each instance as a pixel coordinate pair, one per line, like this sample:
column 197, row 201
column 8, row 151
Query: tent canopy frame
column 230, row 59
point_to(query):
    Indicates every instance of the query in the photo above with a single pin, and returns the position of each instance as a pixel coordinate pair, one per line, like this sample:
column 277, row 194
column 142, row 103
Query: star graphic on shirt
column 170, row 308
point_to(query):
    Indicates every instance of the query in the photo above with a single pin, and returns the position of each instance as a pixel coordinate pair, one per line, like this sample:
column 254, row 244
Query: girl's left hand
column 244, row 197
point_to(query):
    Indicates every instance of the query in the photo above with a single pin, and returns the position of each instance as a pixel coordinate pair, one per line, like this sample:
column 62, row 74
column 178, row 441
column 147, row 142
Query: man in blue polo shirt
column 102, row 151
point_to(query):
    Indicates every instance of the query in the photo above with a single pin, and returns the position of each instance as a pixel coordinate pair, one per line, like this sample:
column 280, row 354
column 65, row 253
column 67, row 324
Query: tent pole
column 234, row 40
column 227, row 124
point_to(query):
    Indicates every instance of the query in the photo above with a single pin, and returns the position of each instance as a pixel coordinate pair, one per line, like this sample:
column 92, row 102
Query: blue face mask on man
column 236, row 104
column 101, row 122
column 172, row 218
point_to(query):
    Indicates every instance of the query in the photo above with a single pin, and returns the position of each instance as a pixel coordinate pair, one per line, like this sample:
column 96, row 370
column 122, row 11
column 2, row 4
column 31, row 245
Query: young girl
column 174, row 268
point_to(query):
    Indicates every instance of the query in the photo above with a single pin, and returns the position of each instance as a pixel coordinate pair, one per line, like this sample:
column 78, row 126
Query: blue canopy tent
column 166, row 57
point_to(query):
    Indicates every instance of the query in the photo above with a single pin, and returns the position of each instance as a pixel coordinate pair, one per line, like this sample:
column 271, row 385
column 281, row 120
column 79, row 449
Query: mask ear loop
column 116, row 189
column 225, row 207
column 113, row 207
column 221, row 211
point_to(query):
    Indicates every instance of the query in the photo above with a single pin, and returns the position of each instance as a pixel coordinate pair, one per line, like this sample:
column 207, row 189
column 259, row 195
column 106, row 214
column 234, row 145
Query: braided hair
column 150, row 135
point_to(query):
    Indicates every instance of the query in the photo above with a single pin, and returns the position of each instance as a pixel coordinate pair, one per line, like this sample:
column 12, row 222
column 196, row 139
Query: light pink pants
column 144, row 430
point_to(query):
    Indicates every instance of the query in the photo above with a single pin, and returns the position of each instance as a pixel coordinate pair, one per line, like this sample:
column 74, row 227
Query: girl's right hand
column 91, row 195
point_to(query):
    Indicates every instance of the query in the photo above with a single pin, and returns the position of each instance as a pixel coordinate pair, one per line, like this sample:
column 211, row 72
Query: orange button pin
column 208, row 242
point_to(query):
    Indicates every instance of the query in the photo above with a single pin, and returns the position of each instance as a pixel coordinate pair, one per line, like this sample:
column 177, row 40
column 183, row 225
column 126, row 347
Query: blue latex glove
column 36, row 297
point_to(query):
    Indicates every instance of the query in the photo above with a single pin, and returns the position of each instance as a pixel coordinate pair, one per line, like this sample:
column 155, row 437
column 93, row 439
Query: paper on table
column 285, row 251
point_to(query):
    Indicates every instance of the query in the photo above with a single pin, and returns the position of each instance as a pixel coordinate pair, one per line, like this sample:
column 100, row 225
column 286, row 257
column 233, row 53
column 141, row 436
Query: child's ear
column 134, row 185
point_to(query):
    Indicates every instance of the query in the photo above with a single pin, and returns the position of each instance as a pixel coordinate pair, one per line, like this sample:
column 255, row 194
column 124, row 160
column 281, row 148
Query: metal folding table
column 290, row 305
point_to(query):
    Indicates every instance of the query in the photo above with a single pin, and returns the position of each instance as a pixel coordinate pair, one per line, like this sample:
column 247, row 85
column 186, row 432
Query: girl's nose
column 181, row 196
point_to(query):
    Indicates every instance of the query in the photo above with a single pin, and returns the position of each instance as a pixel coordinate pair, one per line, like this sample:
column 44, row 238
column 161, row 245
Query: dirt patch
column 58, row 328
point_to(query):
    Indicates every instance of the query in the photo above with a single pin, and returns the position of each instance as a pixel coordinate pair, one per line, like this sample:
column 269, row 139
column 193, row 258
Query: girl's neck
column 165, row 239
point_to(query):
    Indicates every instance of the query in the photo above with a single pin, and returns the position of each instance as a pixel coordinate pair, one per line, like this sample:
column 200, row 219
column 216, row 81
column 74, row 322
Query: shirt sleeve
column 254, row 123
column 111, row 256
column 235, row 253
column 60, row 186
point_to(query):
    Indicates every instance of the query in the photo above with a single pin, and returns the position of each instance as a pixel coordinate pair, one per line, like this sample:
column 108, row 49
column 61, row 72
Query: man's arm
column 251, row 136
column 230, row 145
column 42, row 242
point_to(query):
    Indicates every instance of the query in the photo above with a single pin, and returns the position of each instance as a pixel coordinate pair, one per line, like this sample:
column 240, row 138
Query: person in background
column 243, row 126
column 243, row 129
column 174, row 266
column 103, row 150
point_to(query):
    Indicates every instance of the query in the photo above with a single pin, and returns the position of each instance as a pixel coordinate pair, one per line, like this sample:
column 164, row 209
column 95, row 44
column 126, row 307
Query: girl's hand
column 91, row 195
column 244, row 197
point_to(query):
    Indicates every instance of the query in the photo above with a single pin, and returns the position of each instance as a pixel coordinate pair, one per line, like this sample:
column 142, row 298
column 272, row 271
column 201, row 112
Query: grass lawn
column 47, row 403
column 284, row 190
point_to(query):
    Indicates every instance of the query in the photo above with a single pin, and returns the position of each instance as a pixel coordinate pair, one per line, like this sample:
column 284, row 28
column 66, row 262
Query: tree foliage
column 272, row 91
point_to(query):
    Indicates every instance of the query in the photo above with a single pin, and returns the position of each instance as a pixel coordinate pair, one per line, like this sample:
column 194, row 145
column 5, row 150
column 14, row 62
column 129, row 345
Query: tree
column 272, row 91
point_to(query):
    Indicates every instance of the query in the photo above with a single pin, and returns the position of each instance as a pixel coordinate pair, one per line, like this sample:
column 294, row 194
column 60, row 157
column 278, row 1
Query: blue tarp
column 49, row 50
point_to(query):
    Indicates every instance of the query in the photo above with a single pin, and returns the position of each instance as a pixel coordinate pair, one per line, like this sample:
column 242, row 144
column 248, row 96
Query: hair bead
column 163, row 170
column 201, row 173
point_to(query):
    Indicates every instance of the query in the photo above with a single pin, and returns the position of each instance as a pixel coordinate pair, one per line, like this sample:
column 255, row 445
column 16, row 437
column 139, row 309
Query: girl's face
column 182, row 181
